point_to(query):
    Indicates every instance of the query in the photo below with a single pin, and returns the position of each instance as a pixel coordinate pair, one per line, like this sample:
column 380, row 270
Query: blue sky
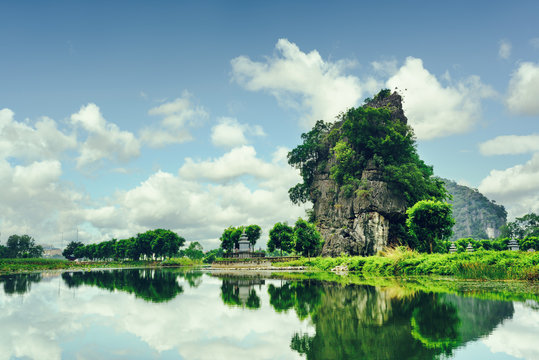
column 116, row 117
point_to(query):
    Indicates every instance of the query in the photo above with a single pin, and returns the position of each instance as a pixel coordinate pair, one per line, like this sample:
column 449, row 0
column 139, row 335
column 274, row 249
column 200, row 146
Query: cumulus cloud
column 511, row 145
column 105, row 140
column 523, row 90
column 34, row 199
column 434, row 110
column 194, row 320
column 177, row 116
column 302, row 81
column 230, row 133
column 505, row 49
column 516, row 187
column 517, row 337
column 237, row 162
column 205, row 197
column 41, row 141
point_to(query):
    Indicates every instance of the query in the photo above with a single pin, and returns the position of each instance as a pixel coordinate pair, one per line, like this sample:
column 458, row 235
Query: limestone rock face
column 358, row 222
column 475, row 215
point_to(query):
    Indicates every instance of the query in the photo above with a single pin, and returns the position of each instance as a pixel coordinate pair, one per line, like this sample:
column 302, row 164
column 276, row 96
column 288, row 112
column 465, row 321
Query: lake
column 179, row 314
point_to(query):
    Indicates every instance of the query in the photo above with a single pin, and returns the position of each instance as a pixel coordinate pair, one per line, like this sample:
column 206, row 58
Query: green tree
column 167, row 241
column 230, row 238
column 143, row 243
column 281, row 236
column 522, row 227
column 120, row 249
column 194, row 251
column 429, row 221
column 211, row 255
column 253, row 232
column 307, row 240
column 23, row 246
column 3, row 252
column 69, row 251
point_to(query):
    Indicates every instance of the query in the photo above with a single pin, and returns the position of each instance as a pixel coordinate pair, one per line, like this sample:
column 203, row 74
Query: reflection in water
column 303, row 296
column 310, row 318
column 148, row 284
column 363, row 322
column 19, row 283
column 240, row 291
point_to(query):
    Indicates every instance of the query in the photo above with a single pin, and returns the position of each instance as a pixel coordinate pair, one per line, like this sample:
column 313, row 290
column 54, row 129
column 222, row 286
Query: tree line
column 302, row 238
column 152, row 244
column 20, row 246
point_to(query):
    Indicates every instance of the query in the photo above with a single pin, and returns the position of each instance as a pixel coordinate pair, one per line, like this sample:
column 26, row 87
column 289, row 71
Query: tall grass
column 402, row 262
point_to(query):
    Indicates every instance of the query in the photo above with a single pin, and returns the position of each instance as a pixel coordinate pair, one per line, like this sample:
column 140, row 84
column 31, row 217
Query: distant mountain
column 475, row 215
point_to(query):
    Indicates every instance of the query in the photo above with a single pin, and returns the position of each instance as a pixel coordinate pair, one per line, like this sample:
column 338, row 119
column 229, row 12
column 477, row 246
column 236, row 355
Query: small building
column 513, row 245
column 50, row 252
column 469, row 248
column 452, row 248
column 245, row 249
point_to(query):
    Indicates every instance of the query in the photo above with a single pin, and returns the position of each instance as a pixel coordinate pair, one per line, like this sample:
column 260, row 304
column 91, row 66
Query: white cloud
column 511, row 145
column 39, row 142
column 204, row 198
column 515, row 187
column 229, row 133
column 34, row 200
column 517, row 337
column 178, row 115
column 239, row 161
column 196, row 319
column 504, row 51
column 434, row 110
column 105, row 140
column 523, row 90
column 303, row 81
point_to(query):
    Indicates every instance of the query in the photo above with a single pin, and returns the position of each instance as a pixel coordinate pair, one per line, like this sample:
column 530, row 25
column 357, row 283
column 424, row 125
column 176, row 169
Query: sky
column 119, row 117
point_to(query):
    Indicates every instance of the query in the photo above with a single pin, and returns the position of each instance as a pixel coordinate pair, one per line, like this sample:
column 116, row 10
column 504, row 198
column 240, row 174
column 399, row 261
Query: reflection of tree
column 193, row 278
column 362, row 322
column 478, row 317
column 148, row 284
column 241, row 292
column 20, row 283
column 303, row 296
column 435, row 324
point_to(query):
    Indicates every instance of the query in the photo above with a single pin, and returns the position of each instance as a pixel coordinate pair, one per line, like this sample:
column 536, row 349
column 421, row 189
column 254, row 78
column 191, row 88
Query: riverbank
column 9, row 266
column 484, row 265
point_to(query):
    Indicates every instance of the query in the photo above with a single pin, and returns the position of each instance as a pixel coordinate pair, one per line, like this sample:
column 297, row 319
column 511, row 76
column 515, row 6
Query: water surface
column 176, row 314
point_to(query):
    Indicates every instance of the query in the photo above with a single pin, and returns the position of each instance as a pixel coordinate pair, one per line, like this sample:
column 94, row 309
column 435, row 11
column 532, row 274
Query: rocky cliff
column 475, row 216
column 360, row 223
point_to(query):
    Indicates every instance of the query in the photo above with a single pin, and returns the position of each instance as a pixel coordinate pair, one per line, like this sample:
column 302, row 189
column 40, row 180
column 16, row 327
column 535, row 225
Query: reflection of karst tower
column 403, row 325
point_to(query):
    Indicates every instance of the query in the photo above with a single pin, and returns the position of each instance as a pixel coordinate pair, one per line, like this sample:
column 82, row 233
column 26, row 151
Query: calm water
column 173, row 314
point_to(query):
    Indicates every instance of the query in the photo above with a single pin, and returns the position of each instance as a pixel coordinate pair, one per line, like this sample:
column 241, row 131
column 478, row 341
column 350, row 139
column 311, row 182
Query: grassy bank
column 30, row 265
column 492, row 265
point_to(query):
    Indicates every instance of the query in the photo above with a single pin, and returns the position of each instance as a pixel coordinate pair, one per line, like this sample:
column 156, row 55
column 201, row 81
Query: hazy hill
column 475, row 215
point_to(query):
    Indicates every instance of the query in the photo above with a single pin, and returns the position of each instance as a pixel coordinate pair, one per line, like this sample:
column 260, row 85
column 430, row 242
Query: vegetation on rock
column 364, row 136
column 361, row 174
